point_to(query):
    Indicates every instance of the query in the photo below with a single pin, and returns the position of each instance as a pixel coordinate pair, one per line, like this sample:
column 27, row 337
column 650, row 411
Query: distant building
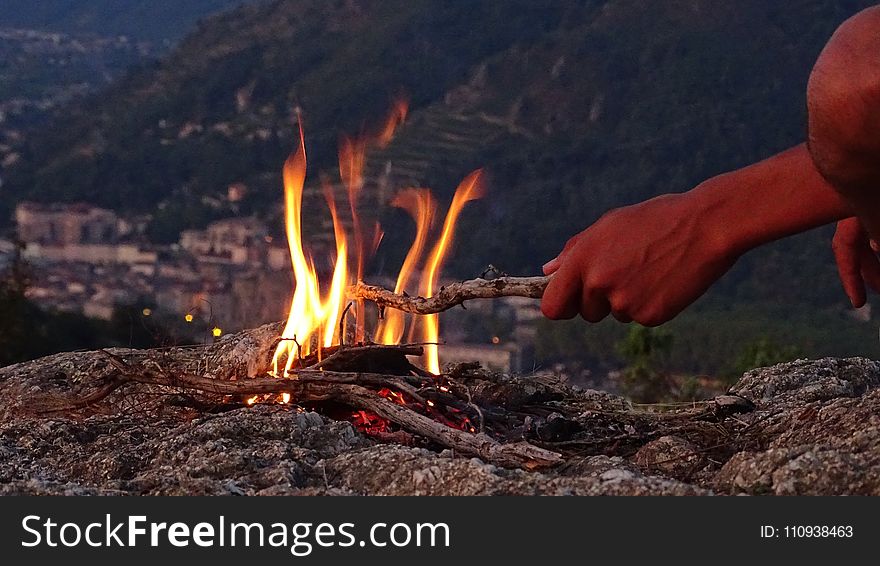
column 181, row 298
column 232, row 240
column 103, row 304
column 278, row 258
column 77, row 233
column 526, row 309
column 236, row 192
column 95, row 254
column 66, row 224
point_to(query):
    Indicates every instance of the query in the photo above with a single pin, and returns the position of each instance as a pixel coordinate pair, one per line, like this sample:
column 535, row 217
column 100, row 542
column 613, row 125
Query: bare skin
column 648, row 262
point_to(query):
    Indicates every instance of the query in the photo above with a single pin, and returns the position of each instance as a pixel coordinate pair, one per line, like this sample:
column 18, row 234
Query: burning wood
column 160, row 439
column 528, row 422
column 440, row 409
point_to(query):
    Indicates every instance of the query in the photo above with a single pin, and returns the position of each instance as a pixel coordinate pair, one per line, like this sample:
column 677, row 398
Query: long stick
column 454, row 294
column 514, row 455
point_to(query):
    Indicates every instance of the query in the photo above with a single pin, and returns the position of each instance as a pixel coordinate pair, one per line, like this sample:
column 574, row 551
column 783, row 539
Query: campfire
column 314, row 335
column 385, row 378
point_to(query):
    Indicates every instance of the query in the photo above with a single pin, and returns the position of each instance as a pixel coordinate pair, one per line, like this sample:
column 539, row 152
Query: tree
column 764, row 352
column 18, row 316
column 28, row 332
column 646, row 350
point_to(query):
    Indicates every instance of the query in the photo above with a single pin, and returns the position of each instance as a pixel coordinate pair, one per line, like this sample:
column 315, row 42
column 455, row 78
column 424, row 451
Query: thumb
column 551, row 266
column 848, row 245
column 850, row 272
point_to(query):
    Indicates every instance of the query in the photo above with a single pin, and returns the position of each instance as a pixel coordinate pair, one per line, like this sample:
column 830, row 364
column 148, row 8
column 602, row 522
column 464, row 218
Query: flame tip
column 313, row 316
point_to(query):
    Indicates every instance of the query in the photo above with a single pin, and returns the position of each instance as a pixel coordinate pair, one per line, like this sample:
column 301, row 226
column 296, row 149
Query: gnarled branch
column 454, row 294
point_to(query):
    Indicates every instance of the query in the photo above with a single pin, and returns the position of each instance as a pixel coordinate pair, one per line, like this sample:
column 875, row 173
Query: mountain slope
column 155, row 20
column 573, row 107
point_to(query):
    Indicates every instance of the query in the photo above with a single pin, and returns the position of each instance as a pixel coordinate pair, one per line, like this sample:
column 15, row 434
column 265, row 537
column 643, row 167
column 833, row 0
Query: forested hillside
column 152, row 20
column 572, row 107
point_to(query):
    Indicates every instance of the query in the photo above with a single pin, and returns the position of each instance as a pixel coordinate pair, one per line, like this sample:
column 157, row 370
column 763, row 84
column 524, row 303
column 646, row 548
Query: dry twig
column 454, row 294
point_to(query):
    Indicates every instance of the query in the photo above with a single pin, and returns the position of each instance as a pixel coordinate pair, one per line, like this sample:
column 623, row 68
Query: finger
column 849, row 270
column 619, row 308
column 562, row 297
column 551, row 266
column 594, row 305
column 870, row 269
column 621, row 316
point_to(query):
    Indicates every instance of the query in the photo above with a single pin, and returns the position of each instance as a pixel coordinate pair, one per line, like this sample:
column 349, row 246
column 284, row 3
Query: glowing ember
column 369, row 423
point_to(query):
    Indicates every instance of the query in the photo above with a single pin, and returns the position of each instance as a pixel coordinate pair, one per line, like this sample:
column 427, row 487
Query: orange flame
column 314, row 319
column 421, row 206
column 352, row 157
column 395, row 118
column 352, row 153
column 469, row 189
column 334, row 305
column 309, row 316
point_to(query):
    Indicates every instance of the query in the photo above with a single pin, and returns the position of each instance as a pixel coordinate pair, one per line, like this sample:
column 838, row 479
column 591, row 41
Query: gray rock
column 815, row 429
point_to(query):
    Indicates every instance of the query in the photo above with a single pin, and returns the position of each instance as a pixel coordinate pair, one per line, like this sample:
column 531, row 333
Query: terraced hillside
column 573, row 108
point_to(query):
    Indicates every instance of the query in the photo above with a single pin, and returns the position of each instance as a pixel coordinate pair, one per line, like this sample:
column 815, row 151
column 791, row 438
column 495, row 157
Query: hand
column 856, row 257
column 642, row 263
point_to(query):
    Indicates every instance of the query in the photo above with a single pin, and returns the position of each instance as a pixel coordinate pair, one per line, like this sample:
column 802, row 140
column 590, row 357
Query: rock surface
column 815, row 429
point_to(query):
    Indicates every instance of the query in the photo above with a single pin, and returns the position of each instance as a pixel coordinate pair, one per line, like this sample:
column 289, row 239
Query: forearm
column 772, row 199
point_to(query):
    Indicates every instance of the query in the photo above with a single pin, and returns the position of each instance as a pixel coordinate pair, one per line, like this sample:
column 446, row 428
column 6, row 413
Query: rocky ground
column 814, row 429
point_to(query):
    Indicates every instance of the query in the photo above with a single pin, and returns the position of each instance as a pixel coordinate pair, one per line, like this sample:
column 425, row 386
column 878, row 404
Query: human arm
column 648, row 261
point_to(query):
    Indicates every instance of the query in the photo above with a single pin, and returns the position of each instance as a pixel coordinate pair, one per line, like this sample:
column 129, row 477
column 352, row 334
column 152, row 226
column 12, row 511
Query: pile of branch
column 365, row 377
column 428, row 407
column 522, row 422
